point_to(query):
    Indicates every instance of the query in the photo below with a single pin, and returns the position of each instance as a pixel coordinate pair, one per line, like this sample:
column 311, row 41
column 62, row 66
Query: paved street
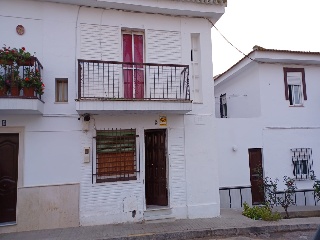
column 306, row 235
column 230, row 223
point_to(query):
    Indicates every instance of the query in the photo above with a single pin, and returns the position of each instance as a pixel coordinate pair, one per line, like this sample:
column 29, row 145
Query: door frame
column 262, row 166
column 20, row 131
column 167, row 166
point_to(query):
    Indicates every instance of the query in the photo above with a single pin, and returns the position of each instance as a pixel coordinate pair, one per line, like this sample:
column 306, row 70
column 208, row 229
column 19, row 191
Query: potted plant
column 24, row 58
column 32, row 82
column 13, row 81
column 3, row 86
column 7, row 55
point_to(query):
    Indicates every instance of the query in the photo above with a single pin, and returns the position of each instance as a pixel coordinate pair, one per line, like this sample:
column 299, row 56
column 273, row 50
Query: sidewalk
column 230, row 223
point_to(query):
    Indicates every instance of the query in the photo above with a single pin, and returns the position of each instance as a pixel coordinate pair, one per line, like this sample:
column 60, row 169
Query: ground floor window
column 302, row 162
column 116, row 155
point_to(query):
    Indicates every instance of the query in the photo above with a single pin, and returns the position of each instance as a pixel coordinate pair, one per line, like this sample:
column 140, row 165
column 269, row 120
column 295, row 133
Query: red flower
column 43, row 85
column 23, row 48
column 27, row 79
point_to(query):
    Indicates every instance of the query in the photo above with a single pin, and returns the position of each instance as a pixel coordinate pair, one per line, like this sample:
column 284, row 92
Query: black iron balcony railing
column 13, row 76
column 110, row 80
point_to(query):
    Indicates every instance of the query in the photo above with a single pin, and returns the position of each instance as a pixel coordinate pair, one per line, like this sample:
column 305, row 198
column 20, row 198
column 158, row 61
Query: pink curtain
column 133, row 75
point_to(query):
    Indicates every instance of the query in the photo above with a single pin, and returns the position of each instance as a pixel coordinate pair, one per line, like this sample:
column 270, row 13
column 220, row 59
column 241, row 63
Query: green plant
column 260, row 212
column 8, row 54
column 23, row 54
column 13, row 54
column 33, row 79
column 316, row 186
column 270, row 188
column 288, row 199
column 12, row 78
column 2, row 82
column 284, row 198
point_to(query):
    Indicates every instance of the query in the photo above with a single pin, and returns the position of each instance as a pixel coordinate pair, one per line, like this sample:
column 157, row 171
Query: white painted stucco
column 275, row 128
column 52, row 149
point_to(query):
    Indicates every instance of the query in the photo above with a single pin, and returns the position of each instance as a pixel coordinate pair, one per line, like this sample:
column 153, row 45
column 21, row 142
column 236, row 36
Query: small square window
column 61, row 90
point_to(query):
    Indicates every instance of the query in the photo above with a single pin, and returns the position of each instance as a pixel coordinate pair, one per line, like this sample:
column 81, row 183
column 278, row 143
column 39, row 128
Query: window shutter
column 221, row 107
column 294, row 78
column 286, row 90
column 99, row 42
column 304, row 85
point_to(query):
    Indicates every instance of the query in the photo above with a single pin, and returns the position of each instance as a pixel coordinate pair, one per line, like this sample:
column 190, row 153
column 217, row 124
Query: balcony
column 109, row 86
column 14, row 97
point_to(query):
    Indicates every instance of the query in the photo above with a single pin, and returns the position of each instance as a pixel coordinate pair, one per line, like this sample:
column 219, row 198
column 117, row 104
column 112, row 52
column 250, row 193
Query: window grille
column 302, row 162
column 116, row 155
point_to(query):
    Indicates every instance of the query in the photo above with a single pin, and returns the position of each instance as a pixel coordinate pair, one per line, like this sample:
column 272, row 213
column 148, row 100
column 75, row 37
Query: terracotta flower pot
column 28, row 92
column 3, row 91
column 27, row 62
column 15, row 91
column 6, row 62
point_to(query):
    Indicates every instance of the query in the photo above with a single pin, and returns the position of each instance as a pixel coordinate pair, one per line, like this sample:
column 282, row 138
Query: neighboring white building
column 110, row 142
column 267, row 117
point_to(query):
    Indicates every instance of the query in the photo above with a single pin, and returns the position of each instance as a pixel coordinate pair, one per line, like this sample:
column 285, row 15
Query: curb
column 223, row 232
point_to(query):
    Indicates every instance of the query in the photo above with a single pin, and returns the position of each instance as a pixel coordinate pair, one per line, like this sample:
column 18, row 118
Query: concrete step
column 158, row 214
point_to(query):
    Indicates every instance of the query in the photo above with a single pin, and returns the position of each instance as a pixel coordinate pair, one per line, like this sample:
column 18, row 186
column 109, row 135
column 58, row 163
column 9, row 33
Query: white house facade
column 268, row 122
column 123, row 131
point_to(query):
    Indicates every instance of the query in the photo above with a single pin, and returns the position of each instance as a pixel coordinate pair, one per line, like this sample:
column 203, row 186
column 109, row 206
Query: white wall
column 243, row 94
column 279, row 128
column 233, row 139
column 51, row 37
column 276, row 144
column 275, row 108
column 114, row 202
column 50, row 149
column 277, row 154
column 54, row 142
column 204, row 201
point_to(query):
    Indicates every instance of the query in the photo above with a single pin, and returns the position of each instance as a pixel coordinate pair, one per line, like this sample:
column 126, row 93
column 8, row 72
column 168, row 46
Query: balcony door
column 133, row 74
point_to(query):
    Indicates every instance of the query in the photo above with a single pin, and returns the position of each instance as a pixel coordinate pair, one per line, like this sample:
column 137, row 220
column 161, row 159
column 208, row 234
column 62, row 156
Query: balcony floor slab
column 14, row 106
column 133, row 106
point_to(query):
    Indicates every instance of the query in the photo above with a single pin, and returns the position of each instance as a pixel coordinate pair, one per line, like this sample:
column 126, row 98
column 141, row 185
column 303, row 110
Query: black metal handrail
column 112, row 80
column 235, row 188
column 11, row 72
column 304, row 191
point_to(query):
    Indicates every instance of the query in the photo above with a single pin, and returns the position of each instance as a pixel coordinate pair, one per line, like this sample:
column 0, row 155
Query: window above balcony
column 110, row 86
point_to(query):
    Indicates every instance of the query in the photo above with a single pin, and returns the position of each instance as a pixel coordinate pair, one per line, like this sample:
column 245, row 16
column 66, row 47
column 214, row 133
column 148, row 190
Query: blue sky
column 276, row 24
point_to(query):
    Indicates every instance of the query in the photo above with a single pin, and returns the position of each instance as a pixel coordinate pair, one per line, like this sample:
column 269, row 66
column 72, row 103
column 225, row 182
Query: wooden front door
column 9, row 147
column 133, row 74
column 156, row 167
column 256, row 175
